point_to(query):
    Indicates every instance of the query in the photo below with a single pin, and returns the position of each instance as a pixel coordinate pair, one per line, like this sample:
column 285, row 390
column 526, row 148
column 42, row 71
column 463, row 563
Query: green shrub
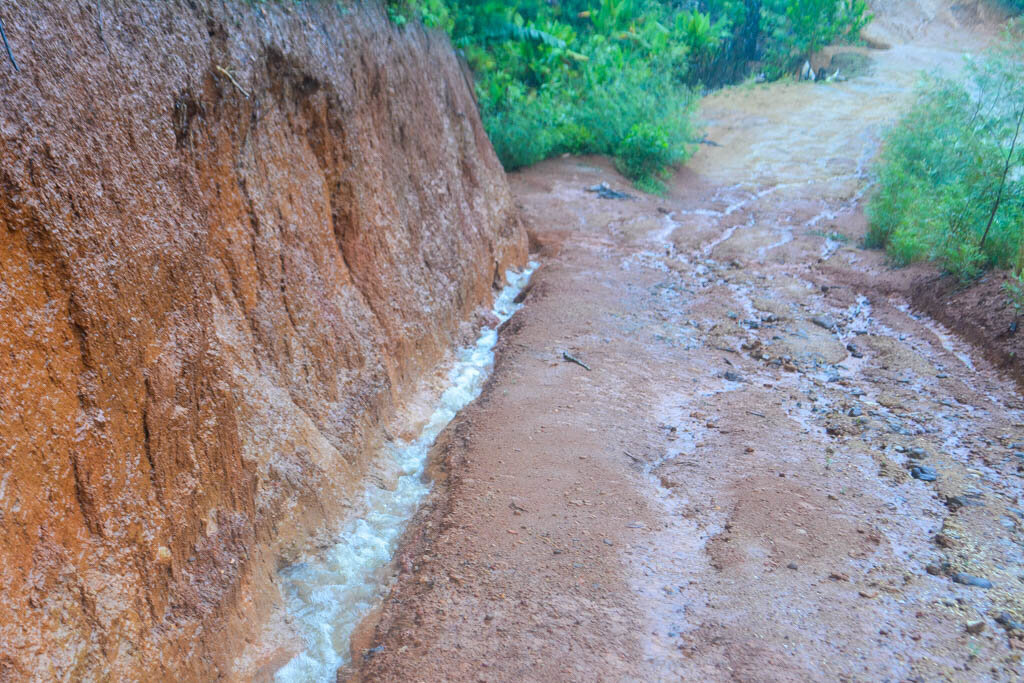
column 1015, row 293
column 615, row 77
column 951, row 174
column 794, row 29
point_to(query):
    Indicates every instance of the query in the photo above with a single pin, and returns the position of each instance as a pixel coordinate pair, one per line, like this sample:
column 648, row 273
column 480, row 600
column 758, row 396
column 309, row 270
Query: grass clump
column 951, row 174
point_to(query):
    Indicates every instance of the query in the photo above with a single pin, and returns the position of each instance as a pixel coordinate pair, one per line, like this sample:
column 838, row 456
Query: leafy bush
column 615, row 77
column 605, row 83
column 951, row 174
column 794, row 29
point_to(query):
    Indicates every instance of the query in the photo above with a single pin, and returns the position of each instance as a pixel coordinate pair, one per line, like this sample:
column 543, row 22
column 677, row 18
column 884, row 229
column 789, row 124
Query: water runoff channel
column 330, row 594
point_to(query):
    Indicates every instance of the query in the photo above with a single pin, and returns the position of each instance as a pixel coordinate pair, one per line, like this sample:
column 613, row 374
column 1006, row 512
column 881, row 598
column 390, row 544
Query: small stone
column 870, row 595
column 968, row 580
column 824, row 321
column 1007, row 622
column 792, row 565
column 933, row 569
column 944, row 541
column 975, row 627
column 163, row 554
column 856, row 411
column 732, row 377
column 838, row 576
column 924, row 473
column 833, row 496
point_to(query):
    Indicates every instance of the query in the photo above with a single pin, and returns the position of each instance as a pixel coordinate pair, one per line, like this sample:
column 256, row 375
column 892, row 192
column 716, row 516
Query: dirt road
column 773, row 469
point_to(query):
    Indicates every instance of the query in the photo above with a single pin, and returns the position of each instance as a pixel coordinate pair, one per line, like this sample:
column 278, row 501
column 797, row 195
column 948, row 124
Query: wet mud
column 777, row 468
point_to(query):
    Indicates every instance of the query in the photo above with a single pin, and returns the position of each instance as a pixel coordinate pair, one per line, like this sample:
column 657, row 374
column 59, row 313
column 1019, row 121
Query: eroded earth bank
column 235, row 239
column 775, row 468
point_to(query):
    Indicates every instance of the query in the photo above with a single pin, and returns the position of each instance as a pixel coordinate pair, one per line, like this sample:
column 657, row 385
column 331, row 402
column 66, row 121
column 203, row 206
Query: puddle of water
column 330, row 594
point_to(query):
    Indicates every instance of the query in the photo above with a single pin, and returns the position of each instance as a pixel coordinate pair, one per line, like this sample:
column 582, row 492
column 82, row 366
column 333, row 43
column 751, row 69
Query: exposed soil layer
column 980, row 313
column 233, row 236
column 775, row 468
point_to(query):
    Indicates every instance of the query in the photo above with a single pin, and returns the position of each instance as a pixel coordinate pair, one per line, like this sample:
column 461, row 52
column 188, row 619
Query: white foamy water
column 329, row 595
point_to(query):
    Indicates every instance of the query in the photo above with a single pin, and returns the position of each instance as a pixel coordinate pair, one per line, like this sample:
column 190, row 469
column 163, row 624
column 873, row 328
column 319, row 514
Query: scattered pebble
column 975, row 627
column 924, row 473
column 968, row 580
column 792, row 565
column 1007, row 622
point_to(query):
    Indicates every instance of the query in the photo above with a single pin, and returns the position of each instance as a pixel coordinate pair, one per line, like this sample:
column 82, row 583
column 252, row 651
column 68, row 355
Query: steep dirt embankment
column 212, row 290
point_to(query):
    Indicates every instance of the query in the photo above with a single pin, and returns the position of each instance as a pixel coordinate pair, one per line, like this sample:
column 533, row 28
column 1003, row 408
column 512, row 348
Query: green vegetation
column 951, row 175
column 617, row 77
column 1015, row 292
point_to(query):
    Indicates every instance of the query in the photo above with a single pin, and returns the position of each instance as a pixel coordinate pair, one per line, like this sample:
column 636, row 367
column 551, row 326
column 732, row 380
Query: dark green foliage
column 615, row 77
column 951, row 175
column 793, row 29
column 611, row 81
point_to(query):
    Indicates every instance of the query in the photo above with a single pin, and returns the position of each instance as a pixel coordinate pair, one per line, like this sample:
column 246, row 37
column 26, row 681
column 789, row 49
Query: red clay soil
column 727, row 494
column 775, row 468
column 980, row 313
column 228, row 250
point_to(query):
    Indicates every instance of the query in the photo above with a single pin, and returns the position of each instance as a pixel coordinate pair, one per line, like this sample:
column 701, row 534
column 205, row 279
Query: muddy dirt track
column 774, row 469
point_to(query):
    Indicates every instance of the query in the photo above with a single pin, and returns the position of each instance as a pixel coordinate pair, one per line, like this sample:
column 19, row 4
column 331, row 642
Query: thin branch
column 10, row 55
column 233, row 81
column 1002, row 183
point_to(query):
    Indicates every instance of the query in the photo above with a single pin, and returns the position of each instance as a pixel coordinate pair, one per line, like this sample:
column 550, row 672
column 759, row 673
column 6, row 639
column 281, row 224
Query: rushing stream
column 329, row 595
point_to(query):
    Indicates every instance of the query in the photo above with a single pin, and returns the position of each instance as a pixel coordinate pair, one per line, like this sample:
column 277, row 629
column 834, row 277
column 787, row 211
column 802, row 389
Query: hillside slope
column 231, row 238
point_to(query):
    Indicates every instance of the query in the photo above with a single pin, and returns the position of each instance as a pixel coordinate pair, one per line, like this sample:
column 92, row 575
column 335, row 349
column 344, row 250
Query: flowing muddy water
column 329, row 595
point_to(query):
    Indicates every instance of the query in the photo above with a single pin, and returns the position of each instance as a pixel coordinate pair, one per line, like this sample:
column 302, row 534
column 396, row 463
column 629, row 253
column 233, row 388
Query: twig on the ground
column 573, row 359
column 754, row 412
column 10, row 55
column 233, row 81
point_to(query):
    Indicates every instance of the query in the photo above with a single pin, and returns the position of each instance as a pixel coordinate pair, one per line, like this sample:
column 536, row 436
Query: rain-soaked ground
column 774, row 469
